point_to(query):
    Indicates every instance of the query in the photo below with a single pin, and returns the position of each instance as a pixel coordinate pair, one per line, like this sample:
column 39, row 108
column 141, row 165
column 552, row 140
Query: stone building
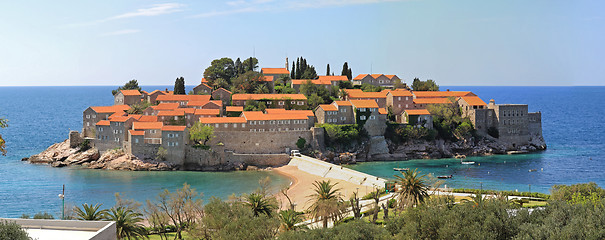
column 399, row 100
column 417, row 117
column 287, row 101
column 339, row 112
column 92, row 115
column 376, row 79
column 127, row 97
column 368, row 114
column 152, row 96
column 273, row 74
column 203, row 88
column 357, row 94
column 222, row 94
column 182, row 100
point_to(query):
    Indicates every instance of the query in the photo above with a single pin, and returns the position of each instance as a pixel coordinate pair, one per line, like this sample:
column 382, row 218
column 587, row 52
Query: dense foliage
column 317, row 94
column 428, row 85
column 402, row 132
column 130, row 85
column 302, row 70
column 179, row 86
column 341, row 135
column 449, row 123
column 346, row 71
column 200, row 133
column 11, row 230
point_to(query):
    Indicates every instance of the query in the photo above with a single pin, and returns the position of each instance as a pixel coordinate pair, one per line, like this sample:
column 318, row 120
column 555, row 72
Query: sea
column 572, row 121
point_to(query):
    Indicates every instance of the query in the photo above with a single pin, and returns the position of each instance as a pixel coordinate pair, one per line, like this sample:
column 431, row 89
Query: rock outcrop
column 61, row 155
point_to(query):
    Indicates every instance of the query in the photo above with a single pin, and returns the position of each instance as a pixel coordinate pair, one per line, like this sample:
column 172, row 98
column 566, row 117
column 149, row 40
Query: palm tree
column 259, row 203
column 128, row 223
column 289, row 218
column 476, row 199
column 413, row 188
column 261, row 89
column 90, row 212
column 327, row 203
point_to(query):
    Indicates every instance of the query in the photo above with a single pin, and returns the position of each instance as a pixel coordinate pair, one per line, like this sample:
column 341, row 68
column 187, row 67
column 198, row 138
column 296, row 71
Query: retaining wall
column 325, row 169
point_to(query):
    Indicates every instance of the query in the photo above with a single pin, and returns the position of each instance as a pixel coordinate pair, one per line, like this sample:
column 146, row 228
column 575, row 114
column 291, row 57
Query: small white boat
column 466, row 163
column 400, row 169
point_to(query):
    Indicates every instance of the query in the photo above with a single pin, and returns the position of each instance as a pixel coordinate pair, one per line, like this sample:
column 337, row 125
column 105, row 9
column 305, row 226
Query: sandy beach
column 302, row 186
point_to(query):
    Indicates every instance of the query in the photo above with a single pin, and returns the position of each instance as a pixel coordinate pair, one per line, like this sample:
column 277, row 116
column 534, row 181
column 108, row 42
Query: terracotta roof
column 222, row 90
column 223, row 120
column 136, row 133
column 441, row 94
column 196, row 103
column 173, row 128
column 383, row 111
column 375, row 76
column 147, row 125
column 401, row 93
column 391, row 76
column 364, row 103
column 165, row 106
column 144, row 92
column 218, row 103
column 361, row 94
column 131, row 92
column 431, row 101
column 160, row 92
column 342, row 103
column 333, row 78
column 119, row 119
column 103, row 123
column 207, row 112
column 148, row 118
column 236, row 97
column 474, row 101
column 328, row 107
column 234, row 108
column 204, row 85
column 110, row 109
column 284, row 111
column 171, row 113
column 256, row 116
column 417, row 112
column 204, row 80
column 360, row 76
column 115, row 115
column 275, row 71
column 183, row 98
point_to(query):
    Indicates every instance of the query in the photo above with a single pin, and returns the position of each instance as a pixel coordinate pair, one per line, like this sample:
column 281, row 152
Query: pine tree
column 239, row 69
column 328, row 70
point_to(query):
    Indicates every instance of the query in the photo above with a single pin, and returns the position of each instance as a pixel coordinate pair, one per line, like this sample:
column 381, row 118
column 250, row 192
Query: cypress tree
column 298, row 69
column 345, row 69
column 179, row 86
column 328, row 70
column 293, row 72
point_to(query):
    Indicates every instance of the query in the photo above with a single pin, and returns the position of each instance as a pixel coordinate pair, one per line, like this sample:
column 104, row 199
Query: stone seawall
column 328, row 170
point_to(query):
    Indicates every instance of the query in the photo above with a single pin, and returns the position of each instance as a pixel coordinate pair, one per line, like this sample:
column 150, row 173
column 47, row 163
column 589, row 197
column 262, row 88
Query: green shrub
column 12, row 230
column 300, row 143
column 508, row 193
column 84, row 145
column 44, row 215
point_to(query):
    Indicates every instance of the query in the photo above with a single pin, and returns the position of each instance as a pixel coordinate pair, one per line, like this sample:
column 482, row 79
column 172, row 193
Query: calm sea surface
column 40, row 116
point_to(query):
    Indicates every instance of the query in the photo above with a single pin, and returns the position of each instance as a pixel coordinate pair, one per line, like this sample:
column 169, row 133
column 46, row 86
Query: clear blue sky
column 453, row 42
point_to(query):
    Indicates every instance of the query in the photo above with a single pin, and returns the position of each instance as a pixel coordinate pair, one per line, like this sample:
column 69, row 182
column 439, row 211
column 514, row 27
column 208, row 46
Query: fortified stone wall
column 260, row 142
column 75, row 139
column 535, row 124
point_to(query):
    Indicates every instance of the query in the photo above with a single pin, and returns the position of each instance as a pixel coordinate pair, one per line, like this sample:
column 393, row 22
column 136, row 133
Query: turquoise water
column 572, row 121
column 573, row 127
column 41, row 116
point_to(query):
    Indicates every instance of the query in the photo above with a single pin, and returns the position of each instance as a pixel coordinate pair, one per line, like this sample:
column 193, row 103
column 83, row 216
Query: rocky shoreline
column 62, row 155
column 436, row 149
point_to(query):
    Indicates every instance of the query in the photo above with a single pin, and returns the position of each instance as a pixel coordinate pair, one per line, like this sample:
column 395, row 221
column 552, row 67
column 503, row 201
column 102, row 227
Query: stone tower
column 287, row 68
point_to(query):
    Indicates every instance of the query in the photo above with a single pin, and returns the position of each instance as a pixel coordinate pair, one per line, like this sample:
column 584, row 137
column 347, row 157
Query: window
column 235, row 125
column 372, row 109
column 343, row 118
column 216, row 125
column 87, row 116
column 406, row 98
column 372, row 117
column 362, row 117
column 281, row 102
column 406, row 106
column 136, row 140
column 343, row 110
column 362, row 109
column 301, row 103
column 177, row 135
column 243, row 125
column 226, row 125
column 87, row 124
column 399, row 98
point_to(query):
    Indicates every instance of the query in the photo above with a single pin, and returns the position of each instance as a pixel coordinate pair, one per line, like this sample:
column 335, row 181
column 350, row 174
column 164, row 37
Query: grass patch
column 170, row 236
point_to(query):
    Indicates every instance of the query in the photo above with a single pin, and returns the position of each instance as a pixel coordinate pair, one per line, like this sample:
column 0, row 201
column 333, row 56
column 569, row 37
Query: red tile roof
column 275, row 71
column 217, row 103
column 223, row 120
column 130, row 92
column 360, row 76
column 417, row 112
column 207, row 112
column 431, row 101
column 183, row 98
column 236, row 97
column 177, row 112
column 260, row 116
column 391, row 76
column 401, row 93
column 234, row 108
column 119, row 119
column 342, row 103
column 474, row 101
column 441, row 94
column 148, row 118
column 375, row 76
column 314, row 81
column 196, row 103
column 328, row 107
column 204, row 80
column 267, row 79
column 173, row 128
column 103, row 123
column 364, row 103
column 147, row 125
column 136, row 133
column 110, row 109
column 383, row 111
column 165, row 106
